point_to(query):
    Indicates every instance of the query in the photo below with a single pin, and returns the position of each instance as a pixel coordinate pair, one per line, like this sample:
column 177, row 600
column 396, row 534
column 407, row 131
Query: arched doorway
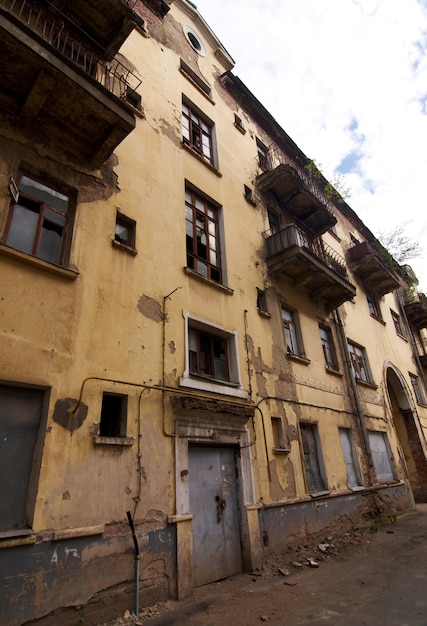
column 408, row 431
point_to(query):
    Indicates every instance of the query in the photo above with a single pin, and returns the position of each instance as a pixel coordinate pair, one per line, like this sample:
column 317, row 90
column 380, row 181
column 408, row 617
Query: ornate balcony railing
column 68, row 40
column 292, row 235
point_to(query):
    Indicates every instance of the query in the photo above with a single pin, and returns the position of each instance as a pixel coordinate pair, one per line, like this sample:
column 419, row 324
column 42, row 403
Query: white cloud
column 343, row 77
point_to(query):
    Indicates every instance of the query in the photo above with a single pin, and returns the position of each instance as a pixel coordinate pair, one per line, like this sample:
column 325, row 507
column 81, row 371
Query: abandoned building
column 199, row 336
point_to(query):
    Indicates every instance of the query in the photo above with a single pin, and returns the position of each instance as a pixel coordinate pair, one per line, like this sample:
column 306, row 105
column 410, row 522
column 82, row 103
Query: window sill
column 281, row 450
column 265, row 314
column 213, row 386
column 378, row 319
column 402, row 337
column 125, row 247
column 28, row 259
column 365, row 383
column 319, row 494
column 113, row 441
column 210, row 282
column 298, row 359
column 201, row 159
column 333, row 372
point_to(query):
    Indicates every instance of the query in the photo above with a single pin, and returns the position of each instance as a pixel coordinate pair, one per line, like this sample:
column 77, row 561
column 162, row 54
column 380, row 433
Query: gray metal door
column 214, row 505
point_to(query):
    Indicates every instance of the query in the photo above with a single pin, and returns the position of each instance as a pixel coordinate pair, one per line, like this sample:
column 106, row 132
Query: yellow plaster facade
column 256, row 354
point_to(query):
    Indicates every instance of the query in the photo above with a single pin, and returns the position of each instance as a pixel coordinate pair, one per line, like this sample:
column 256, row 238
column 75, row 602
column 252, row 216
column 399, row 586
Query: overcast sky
column 347, row 80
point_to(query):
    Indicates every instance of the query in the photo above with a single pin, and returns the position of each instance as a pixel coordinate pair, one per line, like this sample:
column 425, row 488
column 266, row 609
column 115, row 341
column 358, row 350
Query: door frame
column 198, row 423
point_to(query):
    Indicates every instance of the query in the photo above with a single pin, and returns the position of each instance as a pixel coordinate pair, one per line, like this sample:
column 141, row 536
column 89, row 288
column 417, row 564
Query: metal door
column 214, row 505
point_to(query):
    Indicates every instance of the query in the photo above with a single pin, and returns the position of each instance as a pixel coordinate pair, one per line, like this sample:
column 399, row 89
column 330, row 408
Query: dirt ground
column 365, row 578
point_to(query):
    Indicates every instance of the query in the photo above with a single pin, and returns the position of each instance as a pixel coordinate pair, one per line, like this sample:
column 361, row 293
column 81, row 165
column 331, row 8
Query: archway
column 408, row 431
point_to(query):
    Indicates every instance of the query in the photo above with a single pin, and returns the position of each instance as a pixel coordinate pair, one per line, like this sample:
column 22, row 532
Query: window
column 238, row 123
column 291, row 331
column 418, row 390
column 279, row 443
column 359, row 362
column 313, row 464
column 262, row 155
column 347, row 445
column 211, row 358
column 197, row 133
column 195, row 78
column 202, row 236
column 261, row 301
column 40, row 222
column 328, row 348
column 374, row 305
column 397, row 323
column 381, row 456
column 208, row 355
column 273, row 221
column 353, row 241
column 194, row 40
column 125, row 230
column 113, row 415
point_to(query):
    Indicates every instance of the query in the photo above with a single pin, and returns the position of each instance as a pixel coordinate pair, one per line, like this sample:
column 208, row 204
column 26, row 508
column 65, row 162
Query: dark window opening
column 261, row 301
column 397, row 323
column 113, row 415
column 373, row 304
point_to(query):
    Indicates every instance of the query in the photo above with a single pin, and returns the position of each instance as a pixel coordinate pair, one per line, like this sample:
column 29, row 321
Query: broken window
column 291, row 331
column 397, row 323
column 40, row 222
column 418, row 390
column 313, row 463
column 261, row 301
column 328, row 347
column 359, row 362
column 208, row 355
column 197, row 133
column 381, row 456
column 113, row 415
column 262, row 151
column 125, row 230
column 202, row 236
column 374, row 305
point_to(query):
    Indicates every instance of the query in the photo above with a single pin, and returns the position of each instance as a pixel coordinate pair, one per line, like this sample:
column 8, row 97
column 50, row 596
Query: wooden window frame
column 262, row 152
column 202, row 218
column 417, row 388
column 49, row 217
column 202, row 360
column 130, row 225
column 398, row 325
column 328, row 347
column 292, row 332
column 195, row 129
column 359, row 362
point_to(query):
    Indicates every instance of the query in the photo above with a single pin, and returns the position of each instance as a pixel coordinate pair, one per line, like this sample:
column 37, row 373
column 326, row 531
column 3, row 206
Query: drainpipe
column 355, row 392
column 137, row 558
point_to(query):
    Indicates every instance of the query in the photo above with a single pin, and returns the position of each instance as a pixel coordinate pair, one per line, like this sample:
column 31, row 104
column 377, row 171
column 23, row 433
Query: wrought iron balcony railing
column 68, row 40
column 292, row 235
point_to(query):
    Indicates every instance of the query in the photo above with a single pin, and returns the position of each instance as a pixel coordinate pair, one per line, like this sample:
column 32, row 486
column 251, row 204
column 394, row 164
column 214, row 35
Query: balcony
column 416, row 312
column 366, row 263
column 59, row 87
column 311, row 265
column 298, row 195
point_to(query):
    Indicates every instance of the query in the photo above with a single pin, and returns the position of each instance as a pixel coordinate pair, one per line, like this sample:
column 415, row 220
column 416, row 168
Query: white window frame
column 233, row 387
column 381, row 456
